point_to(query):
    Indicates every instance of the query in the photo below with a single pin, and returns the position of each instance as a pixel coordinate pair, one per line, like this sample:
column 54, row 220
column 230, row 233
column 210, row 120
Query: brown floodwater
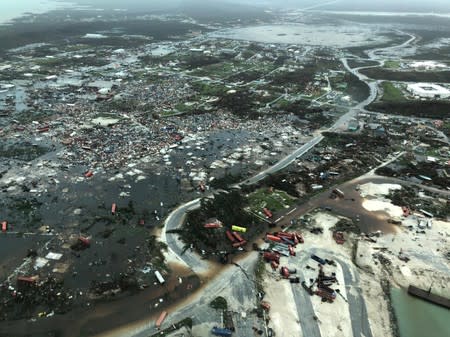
column 112, row 313
column 350, row 206
column 124, row 312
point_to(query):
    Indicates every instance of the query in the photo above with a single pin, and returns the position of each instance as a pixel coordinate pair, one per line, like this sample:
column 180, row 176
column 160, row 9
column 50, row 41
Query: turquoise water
column 418, row 318
column 16, row 8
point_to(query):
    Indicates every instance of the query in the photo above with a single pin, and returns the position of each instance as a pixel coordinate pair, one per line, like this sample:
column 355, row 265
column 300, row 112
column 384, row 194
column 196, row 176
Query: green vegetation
column 230, row 209
column 217, row 70
column 407, row 76
column 426, row 109
column 275, row 200
column 219, row 303
column 392, row 64
column 209, row 89
column 391, row 93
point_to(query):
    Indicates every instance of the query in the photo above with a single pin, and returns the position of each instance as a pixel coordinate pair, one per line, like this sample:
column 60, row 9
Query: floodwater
column 418, row 318
column 349, row 207
column 343, row 36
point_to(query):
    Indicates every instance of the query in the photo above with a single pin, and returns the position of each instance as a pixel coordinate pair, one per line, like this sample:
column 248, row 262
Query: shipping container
column 270, row 256
column 230, row 236
column 239, row 229
column 267, row 213
column 161, row 319
column 213, row 225
column 4, row 226
column 239, row 244
column 273, row 238
column 113, row 209
column 159, row 277
column 238, row 237
column 318, row 259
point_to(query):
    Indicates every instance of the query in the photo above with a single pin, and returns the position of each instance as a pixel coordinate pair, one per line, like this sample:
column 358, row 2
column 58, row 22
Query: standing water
column 418, row 318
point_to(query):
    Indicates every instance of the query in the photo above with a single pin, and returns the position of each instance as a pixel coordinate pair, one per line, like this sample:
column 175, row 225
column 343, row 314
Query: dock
column 428, row 296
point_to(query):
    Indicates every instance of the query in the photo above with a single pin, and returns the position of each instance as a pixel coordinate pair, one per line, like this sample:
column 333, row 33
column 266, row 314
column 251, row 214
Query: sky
column 15, row 8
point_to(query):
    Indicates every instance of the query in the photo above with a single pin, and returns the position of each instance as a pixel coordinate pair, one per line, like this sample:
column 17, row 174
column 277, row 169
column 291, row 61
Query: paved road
column 357, row 305
column 175, row 245
column 360, row 324
column 286, row 161
column 306, row 314
column 233, row 283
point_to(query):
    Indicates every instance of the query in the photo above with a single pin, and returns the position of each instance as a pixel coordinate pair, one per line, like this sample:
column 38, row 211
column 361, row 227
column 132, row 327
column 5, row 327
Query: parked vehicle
column 221, row 332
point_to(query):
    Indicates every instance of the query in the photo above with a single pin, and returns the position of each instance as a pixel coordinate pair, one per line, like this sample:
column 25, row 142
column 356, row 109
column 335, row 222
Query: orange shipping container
column 161, row 319
column 273, row 238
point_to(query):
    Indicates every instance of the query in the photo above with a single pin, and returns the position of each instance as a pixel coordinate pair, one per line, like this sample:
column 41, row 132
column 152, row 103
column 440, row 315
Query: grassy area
column 392, row 64
column 167, row 113
column 391, row 93
column 209, row 89
column 274, row 201
column 218, row 70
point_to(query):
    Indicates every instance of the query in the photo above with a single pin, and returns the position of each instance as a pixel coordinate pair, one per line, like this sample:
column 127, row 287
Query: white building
column 428, row 90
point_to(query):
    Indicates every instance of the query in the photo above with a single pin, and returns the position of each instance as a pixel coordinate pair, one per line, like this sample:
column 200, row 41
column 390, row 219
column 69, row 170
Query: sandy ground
column 334, row 318
column 375, row 198
column 426, row 252
column 283, row 313
column 428, row 264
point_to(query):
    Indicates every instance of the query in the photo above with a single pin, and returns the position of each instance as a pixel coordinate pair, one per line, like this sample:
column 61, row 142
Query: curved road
column 360, row 326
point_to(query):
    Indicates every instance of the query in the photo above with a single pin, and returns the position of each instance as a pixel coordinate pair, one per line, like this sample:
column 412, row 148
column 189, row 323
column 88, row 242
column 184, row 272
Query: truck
column 221, row 332
column 338, row 193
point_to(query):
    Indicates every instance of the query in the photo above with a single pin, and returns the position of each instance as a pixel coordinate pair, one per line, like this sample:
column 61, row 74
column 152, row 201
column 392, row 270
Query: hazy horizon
column 17, row 8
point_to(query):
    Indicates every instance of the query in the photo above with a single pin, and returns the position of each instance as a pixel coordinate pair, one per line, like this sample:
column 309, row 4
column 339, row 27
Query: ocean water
column 418, row 318
column 12, row 9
